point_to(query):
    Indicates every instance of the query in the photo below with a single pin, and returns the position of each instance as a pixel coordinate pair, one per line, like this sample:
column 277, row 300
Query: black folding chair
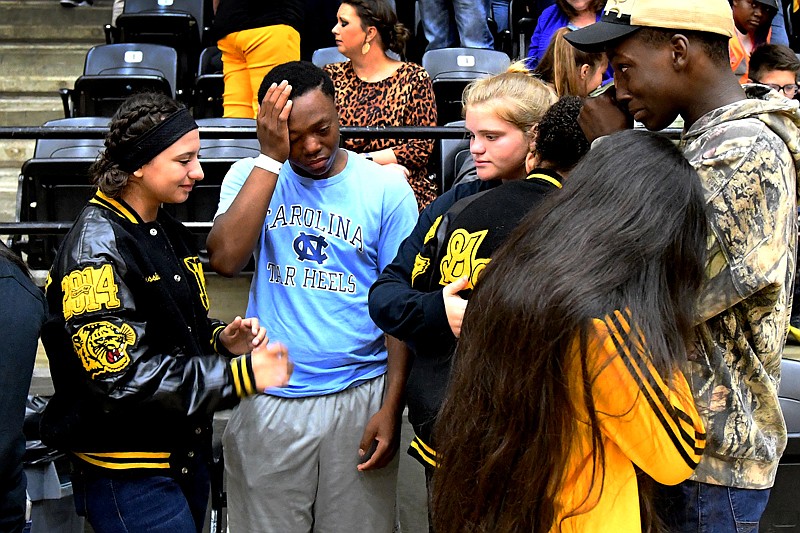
column 209, row 85
column 49, row 190
column 71, row 148
column 227, row 148
column 178, row 24
column 447, row 159
column 452, row 69
column 325, row 56
column 113, row 72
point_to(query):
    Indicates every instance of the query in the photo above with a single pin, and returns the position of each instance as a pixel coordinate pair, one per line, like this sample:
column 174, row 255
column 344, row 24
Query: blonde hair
column 515, row 96
column 562, row 62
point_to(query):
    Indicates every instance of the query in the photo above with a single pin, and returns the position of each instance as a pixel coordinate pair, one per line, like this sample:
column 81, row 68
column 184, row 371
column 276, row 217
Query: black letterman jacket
column 136, row 363
column 460, row 243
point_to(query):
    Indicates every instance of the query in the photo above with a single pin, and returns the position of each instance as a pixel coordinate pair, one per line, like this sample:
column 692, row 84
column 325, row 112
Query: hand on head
column 272, row 123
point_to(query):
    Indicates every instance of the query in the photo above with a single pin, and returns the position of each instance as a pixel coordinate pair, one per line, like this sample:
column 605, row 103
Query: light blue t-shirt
column 323, row 244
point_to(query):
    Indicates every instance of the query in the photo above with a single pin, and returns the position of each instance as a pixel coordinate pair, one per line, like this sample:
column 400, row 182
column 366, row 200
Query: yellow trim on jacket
column 643, row 420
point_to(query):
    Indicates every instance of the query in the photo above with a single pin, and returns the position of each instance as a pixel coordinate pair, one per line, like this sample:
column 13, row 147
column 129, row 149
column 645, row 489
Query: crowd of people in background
column 587, row 328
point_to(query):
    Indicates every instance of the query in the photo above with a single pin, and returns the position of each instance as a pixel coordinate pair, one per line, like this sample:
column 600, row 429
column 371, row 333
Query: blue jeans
column 471, row 30
column 693, row 507
column 779, row 35
column 153, row 503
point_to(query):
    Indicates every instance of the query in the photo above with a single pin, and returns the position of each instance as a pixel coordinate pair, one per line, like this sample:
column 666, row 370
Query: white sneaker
column 76, row 3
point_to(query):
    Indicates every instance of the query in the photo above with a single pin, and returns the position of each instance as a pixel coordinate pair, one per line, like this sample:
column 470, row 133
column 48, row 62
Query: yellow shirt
column 643, row 421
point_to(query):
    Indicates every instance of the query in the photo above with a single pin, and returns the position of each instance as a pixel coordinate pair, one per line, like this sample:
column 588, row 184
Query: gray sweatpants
column 291, row 465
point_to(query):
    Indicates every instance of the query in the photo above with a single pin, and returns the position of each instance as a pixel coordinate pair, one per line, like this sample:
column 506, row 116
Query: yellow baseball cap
column 623, row 17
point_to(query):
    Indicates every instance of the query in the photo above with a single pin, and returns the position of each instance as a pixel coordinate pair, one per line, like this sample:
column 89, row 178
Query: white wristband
column 267, row 163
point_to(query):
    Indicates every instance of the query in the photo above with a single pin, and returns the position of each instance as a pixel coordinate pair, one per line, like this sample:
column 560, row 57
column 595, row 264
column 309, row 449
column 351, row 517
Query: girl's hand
column 455, row 305
column 242, row 335
column 271, row 365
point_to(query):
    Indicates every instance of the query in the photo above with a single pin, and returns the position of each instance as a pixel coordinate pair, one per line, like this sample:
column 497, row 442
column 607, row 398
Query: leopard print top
column 403, row 99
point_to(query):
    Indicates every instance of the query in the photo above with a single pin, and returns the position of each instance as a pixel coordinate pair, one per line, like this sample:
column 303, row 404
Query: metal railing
column 239, row 132
column 211, row 132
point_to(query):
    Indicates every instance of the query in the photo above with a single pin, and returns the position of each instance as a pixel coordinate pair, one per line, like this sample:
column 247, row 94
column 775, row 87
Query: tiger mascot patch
column 103, row 347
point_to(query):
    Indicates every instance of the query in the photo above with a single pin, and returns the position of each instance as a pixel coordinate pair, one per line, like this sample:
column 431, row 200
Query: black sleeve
column 20, row 321
column 120, row 361
column 395, row 307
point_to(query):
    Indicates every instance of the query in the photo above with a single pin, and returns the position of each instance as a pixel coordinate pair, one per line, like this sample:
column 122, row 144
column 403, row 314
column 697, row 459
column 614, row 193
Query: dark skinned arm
column 384, row 426
column 235, row 232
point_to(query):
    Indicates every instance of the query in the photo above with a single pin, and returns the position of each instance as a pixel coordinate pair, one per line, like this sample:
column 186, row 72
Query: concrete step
column 16, row 110
column 40, row 69
column 46, row 20
column 15, row 152
column 8, row 193
column 42, row 49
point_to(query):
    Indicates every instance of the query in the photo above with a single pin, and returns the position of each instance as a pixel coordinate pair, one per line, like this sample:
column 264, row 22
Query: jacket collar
column 117, row 206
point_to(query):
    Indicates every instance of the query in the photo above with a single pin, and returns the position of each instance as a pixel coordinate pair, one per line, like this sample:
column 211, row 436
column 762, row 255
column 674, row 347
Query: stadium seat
column 232, row 149
column 446, row 154
column 451, row 70
column 209, row 85
column 175, row 23
column 325, row 56
column 50, row 190
column 54, row 185
column 113, row 72
column 71, row 148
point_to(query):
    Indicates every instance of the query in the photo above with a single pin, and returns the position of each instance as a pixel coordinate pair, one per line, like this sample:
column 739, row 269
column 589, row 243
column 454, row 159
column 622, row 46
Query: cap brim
column 595, row 37
column 769, row 3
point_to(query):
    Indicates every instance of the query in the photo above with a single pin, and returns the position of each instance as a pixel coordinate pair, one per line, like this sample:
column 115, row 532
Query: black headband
column 133, row 155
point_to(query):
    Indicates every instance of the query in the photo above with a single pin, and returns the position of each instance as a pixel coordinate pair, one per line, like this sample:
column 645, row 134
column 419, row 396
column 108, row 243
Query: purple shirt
column 550, row 21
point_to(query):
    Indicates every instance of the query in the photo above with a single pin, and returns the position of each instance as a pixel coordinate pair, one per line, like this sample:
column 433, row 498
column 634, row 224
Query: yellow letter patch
column 432, row 230
column 89, row 290
column 420, row 266
column 194, row 266
column 103, row 347
column 460, row 260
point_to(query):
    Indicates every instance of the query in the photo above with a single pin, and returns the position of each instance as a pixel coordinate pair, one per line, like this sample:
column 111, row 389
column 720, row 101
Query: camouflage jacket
column 747, row 155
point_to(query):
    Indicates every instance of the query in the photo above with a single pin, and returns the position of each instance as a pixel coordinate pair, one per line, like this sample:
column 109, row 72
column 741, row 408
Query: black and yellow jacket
column 460, row 243
column 135, row 360
column 647, row 421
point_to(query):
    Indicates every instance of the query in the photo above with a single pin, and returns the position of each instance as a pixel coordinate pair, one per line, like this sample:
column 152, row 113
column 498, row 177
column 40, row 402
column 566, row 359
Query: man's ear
column 137, row 173
column 680, row 48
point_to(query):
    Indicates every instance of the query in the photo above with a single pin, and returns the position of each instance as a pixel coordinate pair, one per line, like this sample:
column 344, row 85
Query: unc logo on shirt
column 103, row 346
column 310, row 247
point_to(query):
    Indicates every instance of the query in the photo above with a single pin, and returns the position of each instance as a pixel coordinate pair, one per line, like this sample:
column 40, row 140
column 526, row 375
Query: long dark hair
column 627, row 231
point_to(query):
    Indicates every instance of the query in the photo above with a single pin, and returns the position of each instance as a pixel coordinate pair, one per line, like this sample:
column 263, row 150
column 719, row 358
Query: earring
column 365, row 49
